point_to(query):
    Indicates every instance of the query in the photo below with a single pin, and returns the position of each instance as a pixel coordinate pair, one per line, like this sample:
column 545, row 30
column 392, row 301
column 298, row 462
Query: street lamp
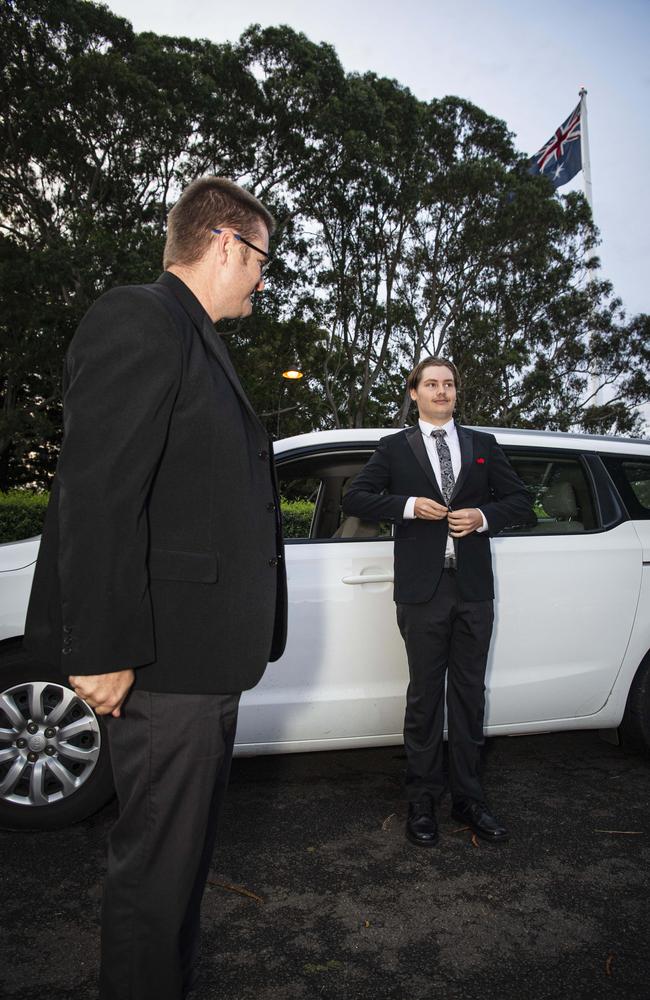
column 290, row 375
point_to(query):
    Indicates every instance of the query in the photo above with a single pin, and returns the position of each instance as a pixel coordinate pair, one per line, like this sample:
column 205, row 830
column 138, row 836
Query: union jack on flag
column 560, row 158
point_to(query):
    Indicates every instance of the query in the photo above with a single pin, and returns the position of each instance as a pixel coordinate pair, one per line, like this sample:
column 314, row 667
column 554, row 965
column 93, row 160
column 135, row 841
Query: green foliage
column 296, row 517
column 404, row 228
column 22, row 513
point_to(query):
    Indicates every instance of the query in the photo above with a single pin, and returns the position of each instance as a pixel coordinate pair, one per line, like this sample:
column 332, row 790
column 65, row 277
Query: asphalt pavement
column 315, row 894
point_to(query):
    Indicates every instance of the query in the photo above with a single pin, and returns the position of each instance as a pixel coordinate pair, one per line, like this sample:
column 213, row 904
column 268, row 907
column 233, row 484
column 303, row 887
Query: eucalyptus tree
column 501, row 274
column 101, row 127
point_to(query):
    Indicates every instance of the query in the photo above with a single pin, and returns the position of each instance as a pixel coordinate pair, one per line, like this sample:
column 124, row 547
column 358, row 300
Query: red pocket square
column 480, row 461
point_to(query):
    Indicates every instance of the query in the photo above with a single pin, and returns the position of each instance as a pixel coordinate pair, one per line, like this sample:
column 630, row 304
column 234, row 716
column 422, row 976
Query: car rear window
column 632, row 479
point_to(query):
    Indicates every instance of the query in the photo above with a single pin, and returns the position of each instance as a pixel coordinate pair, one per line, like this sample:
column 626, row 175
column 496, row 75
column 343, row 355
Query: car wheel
column 54, row 759
column 634, row 731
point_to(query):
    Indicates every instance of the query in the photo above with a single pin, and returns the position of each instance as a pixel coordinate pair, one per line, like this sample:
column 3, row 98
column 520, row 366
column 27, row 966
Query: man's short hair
column 415, row 376
column 211, row 203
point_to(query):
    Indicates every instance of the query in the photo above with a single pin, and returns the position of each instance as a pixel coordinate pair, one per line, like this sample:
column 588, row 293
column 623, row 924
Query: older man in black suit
column 447, row 488
column 160, row 586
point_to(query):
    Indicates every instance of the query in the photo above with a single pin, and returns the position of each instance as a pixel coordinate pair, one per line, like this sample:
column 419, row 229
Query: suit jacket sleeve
column 369, row 495
column 510, row 503
column 123, row 371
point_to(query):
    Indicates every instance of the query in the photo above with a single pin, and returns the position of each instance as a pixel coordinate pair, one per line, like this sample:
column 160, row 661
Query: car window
column 632, row 479
column 560, row 489
column 311, row 492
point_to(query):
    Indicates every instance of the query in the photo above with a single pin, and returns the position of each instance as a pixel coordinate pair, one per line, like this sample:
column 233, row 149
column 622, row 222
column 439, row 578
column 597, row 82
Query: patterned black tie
column 446, row 469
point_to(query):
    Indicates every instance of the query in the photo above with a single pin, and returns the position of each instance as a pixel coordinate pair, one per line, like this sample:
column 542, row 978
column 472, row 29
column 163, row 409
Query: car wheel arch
column 634, row 730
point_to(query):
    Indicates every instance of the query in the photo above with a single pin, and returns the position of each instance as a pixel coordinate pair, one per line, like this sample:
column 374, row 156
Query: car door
column 566, row 596
column 343, row 676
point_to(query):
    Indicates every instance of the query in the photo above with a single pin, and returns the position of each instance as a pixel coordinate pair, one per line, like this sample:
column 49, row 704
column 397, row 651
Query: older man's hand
column 104, row 693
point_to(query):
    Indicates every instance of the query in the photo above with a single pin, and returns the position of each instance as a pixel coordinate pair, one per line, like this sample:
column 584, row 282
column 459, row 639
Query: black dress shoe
column 421, row 826
column 478, row 818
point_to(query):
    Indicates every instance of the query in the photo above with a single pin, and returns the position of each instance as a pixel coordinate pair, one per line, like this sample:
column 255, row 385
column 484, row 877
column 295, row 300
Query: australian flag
column 560, row 158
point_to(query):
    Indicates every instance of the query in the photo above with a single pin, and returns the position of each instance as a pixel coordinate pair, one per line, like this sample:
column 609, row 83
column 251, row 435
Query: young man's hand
column 428, row 509
column 464, row 522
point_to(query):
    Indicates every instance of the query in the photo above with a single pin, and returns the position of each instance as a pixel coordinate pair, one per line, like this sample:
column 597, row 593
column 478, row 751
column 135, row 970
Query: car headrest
column 560, row 501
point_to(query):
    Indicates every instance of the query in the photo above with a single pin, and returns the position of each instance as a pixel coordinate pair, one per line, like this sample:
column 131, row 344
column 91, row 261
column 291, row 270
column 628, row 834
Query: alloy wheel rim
column 50, row 743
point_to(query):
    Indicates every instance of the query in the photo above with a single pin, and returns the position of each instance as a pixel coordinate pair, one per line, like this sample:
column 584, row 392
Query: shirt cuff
column 484, row 526
column 409, row 509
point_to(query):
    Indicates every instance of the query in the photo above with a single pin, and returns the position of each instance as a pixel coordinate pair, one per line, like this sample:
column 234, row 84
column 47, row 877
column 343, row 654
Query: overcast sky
column 520, row 60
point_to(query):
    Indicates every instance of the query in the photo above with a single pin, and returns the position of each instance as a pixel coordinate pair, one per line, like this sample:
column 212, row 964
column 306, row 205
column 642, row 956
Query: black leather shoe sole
column 491, row 838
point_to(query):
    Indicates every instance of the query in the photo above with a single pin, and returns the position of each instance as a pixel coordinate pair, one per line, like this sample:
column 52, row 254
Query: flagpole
column 584, row 148
column 594, row 389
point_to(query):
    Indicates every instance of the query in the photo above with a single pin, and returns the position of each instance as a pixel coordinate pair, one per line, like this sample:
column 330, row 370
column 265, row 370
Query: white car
column 571, row 645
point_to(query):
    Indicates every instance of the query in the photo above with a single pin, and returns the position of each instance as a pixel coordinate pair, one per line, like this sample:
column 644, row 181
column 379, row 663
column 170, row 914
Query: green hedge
column 296, row 517
column 21, row 514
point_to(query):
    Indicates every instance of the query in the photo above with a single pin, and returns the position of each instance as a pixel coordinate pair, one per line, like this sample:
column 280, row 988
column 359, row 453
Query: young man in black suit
column 160, row 587
column 447, row 488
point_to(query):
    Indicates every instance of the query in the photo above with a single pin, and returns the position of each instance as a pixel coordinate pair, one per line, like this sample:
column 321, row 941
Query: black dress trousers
column 171, row 756
column 445, row 636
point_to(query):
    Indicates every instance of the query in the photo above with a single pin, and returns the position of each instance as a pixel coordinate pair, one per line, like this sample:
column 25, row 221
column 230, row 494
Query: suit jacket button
column 270, row 507
column 263, row 454
column 273, row 562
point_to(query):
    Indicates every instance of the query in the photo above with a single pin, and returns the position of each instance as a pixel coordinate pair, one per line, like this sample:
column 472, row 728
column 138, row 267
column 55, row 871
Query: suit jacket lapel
column 416, row 442
column 466, row 442
column 211, row 339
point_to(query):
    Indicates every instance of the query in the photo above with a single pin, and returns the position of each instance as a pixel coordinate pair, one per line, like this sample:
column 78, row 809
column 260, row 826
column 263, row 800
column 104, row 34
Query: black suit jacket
column 162, row 546
column 399, row 469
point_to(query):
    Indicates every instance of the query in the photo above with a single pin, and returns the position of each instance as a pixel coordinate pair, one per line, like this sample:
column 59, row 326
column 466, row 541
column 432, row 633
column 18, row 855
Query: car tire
column 54, row 759
column 634, row 731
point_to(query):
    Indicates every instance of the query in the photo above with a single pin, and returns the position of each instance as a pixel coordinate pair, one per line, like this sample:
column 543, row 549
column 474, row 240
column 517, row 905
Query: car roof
column 369, row 436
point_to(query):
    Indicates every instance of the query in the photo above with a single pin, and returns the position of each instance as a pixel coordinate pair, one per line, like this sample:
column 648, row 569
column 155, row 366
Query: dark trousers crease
column 171, row 756
column 445, row 637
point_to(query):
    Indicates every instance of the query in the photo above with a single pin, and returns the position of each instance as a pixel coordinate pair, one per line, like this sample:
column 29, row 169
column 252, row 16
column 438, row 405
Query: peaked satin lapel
column 466, row 442
column 211, row 339
column 416, row 442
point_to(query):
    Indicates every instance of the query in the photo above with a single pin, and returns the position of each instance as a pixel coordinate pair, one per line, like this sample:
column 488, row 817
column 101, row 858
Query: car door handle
column 369, row 578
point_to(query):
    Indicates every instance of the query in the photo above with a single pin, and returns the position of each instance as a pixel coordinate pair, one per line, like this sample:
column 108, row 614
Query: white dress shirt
column 451, row 437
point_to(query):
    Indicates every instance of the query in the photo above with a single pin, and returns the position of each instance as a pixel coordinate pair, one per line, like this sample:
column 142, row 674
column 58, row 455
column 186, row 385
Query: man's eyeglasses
column 238, row 236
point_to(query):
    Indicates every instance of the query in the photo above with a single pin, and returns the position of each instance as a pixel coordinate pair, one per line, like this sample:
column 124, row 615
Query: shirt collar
column 449, row 428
